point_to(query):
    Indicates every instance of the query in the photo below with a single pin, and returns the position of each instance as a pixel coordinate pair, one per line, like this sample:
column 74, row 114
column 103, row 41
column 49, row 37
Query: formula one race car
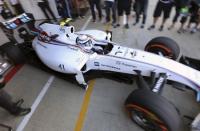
column 91, row 52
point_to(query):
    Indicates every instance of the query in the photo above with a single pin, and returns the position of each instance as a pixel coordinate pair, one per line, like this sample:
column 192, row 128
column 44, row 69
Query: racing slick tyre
column 164, row 45
column 14, row 54
column 152, row 112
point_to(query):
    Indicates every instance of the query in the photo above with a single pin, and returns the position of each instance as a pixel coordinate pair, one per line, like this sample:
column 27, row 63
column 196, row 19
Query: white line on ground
column 86, row 23
column 35, row 104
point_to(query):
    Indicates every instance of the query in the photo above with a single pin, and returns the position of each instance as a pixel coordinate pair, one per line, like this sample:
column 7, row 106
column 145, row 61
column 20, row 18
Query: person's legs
column 43, row 8
column 5, row 100
column 12, row 107
column 98, row 6
column 175, row 18
column 91, row 3
column 183, row 21
column 107, row 9
column 127, row 9
column 137, row 11
column 18, row 8
column 50, row 11
column 144, row 10
column 156, row 15
column 167, row 11
column 120, row 13
column 114, row 12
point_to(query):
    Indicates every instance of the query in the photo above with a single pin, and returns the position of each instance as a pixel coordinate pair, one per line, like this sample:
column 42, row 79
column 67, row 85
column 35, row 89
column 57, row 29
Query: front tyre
column 152, row 112
column 163, row 46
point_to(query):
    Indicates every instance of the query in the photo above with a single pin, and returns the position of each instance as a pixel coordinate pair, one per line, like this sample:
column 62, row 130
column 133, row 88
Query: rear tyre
column 14, row 54
column 164, row 45
column 152, row 112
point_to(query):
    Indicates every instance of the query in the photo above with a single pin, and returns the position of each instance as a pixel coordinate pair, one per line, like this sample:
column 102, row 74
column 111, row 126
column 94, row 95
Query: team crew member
column 110, row 5
column 164, row 6
column 179, row 4
column 141, row 8
column 6, row 102
column 45, row 7
column 96, row 3
column 191, row 10
column 194, row 18
column 124, row 6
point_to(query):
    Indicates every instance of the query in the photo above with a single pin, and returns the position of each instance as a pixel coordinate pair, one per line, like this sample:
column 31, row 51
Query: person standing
column 63, row 8
column 110, row 5
column 141, row 8
column 17, row 6
column 124, row 6
column 6, row 102
column 194, row 15
column 44, row 5
column 179, row 4
column 92, row 4
column 165, row 7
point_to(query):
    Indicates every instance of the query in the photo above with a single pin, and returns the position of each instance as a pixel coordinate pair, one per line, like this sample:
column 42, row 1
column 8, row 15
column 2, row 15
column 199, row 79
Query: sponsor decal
column 62, row 30
column 109, row 66
column 158, row 84
column 62, row 67
column 73, row 48
column 96, row 64
column 125, row 64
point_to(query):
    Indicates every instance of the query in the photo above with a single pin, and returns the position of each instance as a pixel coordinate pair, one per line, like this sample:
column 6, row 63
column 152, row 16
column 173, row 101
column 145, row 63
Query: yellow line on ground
column 86, row 100
column 84, row 107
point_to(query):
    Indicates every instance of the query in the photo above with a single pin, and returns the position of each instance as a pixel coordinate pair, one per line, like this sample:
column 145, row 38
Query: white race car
column 92, row 53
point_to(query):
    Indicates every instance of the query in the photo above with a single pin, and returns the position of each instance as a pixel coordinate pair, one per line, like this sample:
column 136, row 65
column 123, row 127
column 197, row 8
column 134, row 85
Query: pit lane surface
column 66, row 107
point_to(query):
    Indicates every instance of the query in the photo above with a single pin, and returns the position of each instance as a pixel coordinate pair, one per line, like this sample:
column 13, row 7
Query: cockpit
column 89, row 44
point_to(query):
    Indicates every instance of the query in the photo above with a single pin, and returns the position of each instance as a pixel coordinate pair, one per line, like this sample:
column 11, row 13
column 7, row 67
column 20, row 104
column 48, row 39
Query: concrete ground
column 66, row 107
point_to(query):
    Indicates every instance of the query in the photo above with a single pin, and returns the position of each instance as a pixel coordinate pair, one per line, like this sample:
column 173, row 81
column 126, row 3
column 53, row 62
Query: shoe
column 151, row 27
column 82, row 16
column 93, row 20
column 134, row 24
column 19, row 111
column 113, row 22
column 100, row 18
column 116, row 25
column 142, row 26
column 194, row 30
column 180, row 31
column 84, row 86
column 161, row 28
column 126, row 26
column 19, row 103
column 171, row 27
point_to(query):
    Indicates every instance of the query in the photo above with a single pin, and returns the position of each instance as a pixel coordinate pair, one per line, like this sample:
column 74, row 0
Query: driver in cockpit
column 88, row 43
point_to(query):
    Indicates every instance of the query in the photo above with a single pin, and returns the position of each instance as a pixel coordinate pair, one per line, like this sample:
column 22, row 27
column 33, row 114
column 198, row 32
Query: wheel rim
column 146, row 119
column 156, row 48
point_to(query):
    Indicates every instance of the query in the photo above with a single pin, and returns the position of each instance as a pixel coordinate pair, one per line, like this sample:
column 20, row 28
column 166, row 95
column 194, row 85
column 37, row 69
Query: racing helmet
column 84, row 41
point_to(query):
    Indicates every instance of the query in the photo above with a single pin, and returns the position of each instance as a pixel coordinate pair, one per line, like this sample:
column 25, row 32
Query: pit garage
column 57, row 104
